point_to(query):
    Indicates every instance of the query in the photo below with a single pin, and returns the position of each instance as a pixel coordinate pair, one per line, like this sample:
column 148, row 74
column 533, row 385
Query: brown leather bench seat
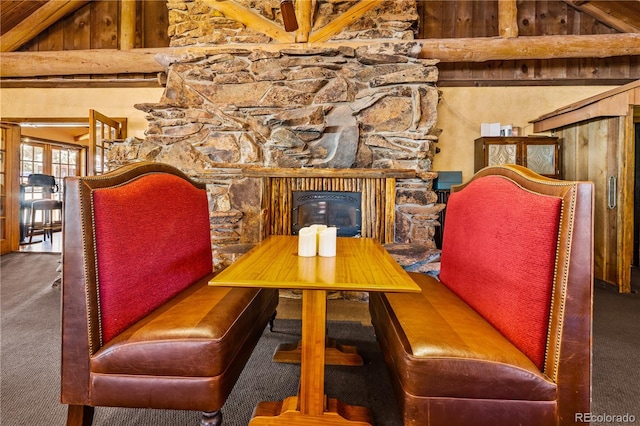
column 202, row 332
column 503, row 335
column 141, row 327
column 456, row 339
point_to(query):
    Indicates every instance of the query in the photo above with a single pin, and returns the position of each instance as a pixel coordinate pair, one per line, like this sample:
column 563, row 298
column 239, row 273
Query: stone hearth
column 239, row 115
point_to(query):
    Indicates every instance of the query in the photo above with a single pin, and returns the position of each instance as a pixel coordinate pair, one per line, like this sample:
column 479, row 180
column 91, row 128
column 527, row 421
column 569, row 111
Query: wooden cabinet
column 539, row 153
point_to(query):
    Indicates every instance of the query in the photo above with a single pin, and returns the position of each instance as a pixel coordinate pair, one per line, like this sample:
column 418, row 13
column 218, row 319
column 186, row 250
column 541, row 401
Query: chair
column 141, row 327
column 503, row 336
column 48, row 225
column 28, row 225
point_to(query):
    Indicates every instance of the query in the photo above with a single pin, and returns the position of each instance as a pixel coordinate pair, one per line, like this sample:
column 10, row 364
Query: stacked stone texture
column 329, row 107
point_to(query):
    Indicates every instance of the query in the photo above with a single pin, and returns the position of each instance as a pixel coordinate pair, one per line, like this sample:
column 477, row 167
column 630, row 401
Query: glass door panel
column 541, row 159
column 502, row 154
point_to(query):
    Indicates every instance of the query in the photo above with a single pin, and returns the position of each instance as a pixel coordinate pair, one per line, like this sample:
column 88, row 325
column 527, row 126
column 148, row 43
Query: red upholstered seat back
column 152, row 240
column 498, row 255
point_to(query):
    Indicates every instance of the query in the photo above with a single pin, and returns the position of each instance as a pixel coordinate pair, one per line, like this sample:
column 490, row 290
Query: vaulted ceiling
column 487, row 35
column 624, row 16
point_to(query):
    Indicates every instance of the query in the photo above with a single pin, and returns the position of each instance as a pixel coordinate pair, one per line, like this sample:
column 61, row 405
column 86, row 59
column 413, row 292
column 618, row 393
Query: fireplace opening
column 339, row 209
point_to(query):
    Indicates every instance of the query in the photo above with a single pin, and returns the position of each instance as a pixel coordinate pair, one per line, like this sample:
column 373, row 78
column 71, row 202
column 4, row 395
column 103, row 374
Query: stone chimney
column 241, row 101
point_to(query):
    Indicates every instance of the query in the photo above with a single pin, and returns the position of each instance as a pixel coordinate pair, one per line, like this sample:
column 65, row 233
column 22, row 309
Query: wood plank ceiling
column 477, row 41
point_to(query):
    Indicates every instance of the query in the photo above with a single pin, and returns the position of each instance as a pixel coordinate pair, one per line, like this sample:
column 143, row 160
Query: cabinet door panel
column 541, row 159
column 502, row 154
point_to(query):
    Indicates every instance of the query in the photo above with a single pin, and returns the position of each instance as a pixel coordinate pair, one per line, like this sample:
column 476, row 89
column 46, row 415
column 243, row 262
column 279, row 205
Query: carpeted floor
column 30, row 354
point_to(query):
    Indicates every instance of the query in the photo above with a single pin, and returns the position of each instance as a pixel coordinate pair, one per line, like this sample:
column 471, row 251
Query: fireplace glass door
column 339, row 209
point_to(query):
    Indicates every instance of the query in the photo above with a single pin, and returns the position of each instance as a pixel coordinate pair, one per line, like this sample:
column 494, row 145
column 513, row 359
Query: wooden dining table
column 360, row 264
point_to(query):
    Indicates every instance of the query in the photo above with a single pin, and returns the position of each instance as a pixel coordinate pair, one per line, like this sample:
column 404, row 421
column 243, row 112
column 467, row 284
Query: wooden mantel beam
column 107, row 61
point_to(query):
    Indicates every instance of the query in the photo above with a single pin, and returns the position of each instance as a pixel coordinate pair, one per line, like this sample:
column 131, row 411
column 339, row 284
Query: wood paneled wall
column 478, row 18
column 95, row 26
column 597, row 150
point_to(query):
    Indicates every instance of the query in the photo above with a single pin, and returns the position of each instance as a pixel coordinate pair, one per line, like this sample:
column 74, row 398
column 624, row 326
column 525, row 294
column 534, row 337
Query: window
column 31, row 162
column 48, row 158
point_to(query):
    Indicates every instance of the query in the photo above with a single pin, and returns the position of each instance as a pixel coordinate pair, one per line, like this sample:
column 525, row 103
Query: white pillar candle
column 307, row 242
column 327, row 242
column 318, row 228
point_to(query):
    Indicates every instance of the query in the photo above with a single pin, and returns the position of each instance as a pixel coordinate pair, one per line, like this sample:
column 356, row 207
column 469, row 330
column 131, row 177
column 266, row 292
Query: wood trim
column 608, row 107
column 390, row 210
column 328, row 173
column 626, row 216
column 590, row 100
column 11, row 242
column 609, row 104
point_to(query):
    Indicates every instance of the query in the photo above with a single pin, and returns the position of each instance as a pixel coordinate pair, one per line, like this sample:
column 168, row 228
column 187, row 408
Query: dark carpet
column 30, row 358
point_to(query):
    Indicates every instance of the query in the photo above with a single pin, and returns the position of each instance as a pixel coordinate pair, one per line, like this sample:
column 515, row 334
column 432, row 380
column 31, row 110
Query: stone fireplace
column 257, row 122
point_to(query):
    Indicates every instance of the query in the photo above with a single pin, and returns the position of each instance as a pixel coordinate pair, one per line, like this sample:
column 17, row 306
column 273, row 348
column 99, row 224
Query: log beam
column 38, row 21
column 482, row 49
column 109, row 61
column 508, row 18
column 127, row 24
column 304, row 13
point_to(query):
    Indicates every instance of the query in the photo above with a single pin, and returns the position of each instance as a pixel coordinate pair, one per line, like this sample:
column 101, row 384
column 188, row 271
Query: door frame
column 11, row 242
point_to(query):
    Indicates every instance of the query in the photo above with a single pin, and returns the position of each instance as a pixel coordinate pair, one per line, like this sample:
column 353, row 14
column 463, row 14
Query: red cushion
column 498, row 255
column 152, row 238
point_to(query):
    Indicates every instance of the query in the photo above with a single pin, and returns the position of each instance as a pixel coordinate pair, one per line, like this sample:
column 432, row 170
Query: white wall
column 76, row 103
column 460, row 112
column 462, row 109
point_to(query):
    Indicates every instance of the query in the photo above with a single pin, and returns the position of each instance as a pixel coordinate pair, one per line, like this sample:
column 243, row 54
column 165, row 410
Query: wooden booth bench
column 504, row 336
column 141, row 327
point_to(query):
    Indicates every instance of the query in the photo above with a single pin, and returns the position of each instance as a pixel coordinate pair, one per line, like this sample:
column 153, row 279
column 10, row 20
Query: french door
column 9, row 187
column 57, row 160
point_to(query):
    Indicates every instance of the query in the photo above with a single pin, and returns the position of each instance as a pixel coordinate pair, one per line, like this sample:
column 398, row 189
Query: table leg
column 314, row 319
column 334, row 352
column 311, row 407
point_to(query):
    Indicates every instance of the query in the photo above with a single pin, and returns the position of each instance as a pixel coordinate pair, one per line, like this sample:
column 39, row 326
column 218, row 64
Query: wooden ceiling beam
column 482, row 49
column 38, row 21
column 604, row 17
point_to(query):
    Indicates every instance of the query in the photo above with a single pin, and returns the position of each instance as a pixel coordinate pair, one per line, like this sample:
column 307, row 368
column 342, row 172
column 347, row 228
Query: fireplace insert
column 339, row 209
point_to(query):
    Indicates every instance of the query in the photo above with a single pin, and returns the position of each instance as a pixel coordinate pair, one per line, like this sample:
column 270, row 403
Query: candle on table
column 307, row 242
column 318, row 229
column 327, row 242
